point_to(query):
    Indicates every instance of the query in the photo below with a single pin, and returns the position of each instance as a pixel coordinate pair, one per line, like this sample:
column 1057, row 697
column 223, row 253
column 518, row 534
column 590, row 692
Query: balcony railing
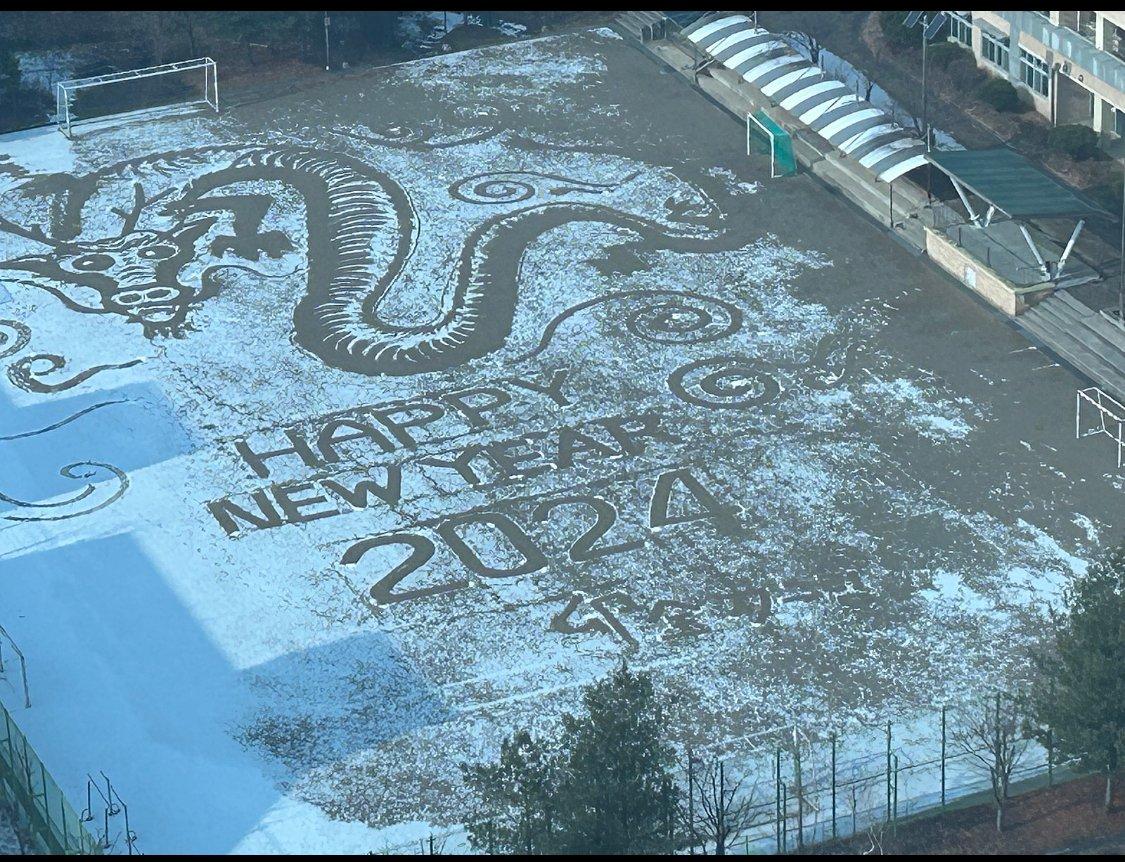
column 1070, row 45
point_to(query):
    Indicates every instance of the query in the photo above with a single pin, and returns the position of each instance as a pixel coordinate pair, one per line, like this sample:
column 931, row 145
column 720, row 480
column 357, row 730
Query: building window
column 1035, row 73
column 1119, row 122
column 1087, row 25
column 1115, row 44
column 995, row 49
column 961, row 27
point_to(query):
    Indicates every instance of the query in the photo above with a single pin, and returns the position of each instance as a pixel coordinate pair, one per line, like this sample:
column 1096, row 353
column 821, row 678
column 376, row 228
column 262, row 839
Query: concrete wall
column 997, row 291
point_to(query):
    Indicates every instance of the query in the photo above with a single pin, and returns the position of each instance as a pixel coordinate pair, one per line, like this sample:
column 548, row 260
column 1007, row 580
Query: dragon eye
column 92, row 262
column 157, row 252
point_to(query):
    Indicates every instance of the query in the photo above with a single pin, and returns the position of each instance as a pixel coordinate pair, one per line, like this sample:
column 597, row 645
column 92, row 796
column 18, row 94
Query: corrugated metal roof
column 1012, row 184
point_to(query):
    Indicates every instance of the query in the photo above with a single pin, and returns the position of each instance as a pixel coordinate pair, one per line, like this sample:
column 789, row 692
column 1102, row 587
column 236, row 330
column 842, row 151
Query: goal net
column 763, row 135
column 1096, row 413
column 136, row 93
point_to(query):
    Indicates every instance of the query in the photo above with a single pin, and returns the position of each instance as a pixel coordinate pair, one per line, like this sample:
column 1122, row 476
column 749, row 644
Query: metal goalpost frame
column 65, row 90
column 750, row 118
column 1111, row 415
column 18, row 653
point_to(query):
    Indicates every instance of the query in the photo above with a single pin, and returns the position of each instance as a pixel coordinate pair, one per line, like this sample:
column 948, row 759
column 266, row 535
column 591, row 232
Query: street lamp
column 327, row 65
column 930, row 28
column 1121, row 274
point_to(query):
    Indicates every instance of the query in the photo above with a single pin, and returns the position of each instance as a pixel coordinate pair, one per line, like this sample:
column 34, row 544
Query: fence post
column 833, row 785
column 777, row 800
column 800, row 794
column 888, row 771
column 691, row 801
column 894, row 820
column 1050, row 758
column 784, row 818
column 943, row 709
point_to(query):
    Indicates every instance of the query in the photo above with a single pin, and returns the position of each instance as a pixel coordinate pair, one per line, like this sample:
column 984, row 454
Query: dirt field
column 1068, row 818
column 356, row 427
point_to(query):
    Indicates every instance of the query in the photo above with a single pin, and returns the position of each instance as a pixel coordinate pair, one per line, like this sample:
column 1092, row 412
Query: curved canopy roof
column 860, row 130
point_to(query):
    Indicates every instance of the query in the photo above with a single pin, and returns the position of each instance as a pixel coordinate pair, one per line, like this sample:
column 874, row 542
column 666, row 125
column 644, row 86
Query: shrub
column 964, row 73
column 1107, row 193
column 1001, row 95
column 940, row 56
column 1078, row 142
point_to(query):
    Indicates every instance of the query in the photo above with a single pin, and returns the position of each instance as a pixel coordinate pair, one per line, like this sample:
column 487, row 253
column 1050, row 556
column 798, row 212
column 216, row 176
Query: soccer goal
column 763, row 135
column 136, row 92
column 1108, row 418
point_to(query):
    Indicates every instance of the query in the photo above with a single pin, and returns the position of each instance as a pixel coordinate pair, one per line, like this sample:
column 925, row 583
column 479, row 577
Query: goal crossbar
column 1111, row 418
column 64, row 90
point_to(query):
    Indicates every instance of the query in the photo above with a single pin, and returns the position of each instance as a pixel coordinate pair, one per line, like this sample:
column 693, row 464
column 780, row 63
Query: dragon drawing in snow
column 193, row 212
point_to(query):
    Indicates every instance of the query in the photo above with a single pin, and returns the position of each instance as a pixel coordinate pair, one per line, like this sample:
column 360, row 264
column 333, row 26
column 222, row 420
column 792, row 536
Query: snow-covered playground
column 346, row 431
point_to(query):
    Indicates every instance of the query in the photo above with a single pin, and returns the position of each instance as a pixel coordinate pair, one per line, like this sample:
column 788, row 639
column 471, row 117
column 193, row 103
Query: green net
column 767, row 136
column 51, row 822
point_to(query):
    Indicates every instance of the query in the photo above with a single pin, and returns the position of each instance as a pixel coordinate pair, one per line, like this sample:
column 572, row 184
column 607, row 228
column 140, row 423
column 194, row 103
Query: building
column 1071, row 64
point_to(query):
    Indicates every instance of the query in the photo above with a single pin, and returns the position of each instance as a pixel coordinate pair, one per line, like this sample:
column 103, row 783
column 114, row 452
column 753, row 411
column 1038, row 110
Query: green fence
column 49, row 820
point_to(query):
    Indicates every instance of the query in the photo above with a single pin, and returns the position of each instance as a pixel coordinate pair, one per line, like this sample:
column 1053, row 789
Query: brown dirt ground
column 1066, row 818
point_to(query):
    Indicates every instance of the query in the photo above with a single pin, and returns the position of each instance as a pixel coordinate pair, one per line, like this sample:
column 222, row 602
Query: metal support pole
column 777, row 800
column 327, row 63
column 925, row 90
column 943, row 711
column 894, row 816
column 691, row 802
column 800, row 794
column 1121, row 278
column 1050, row 758
column 925, row 114
column 1034, row 250
column 1069, row 247
column 833, row 785
column 888, row 771
column 965, row 200
column 784, row 817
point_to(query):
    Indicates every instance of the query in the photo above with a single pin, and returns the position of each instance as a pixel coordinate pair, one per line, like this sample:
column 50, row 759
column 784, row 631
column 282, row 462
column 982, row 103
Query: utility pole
column 925, row 89
column 691, row 801
column 1121, row 275
column 327, row 64
column 930, row 28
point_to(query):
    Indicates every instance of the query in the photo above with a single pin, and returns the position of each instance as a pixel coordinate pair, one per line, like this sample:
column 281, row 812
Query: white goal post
column 65, row 91
column 750, row 118
column 1109, row 418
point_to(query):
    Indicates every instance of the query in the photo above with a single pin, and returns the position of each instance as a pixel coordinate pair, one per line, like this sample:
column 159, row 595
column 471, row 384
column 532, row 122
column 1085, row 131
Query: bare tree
column 722, row 809
column 806, row 43
column 994, row 741
column 864, row 82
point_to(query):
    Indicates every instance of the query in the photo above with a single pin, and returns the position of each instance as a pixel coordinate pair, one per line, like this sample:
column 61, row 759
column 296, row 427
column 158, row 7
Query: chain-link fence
column 809, row 792
column 43, row 812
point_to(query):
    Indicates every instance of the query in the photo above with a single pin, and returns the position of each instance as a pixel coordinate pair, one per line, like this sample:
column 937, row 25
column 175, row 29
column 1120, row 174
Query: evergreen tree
column 605, row 786
column 615, row 796
column 1081, row 699
column 513, row 813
